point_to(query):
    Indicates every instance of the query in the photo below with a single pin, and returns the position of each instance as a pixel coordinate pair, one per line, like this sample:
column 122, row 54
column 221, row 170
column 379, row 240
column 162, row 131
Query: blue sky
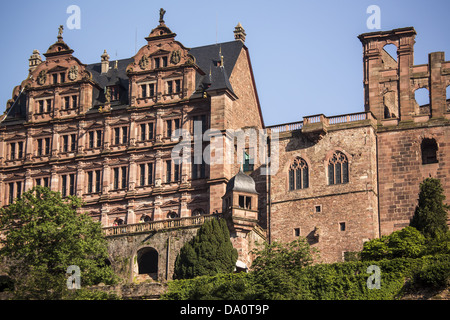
column 306, row 56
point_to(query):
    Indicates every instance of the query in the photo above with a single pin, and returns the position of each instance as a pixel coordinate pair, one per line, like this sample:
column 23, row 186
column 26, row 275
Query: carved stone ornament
column 143, row 63
column 73, row 73
column 42, row 77
column 175, row 57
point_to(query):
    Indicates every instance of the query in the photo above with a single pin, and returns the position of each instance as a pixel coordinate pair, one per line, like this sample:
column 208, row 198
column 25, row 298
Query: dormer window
column 115, row 93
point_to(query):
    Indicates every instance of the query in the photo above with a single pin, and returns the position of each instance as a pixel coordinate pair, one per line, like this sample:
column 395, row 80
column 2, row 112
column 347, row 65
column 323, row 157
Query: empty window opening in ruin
column 341, row 226
column 422, row 99
column 429, row 151
column 447, row 97
column 147, row 259
column 296, row 232
column 389, row 56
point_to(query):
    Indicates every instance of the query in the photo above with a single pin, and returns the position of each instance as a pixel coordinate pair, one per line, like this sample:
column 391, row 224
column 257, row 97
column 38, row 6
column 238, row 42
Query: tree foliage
column 208, row 253
column 430, row 216
column 42, row 236
column 405, row 243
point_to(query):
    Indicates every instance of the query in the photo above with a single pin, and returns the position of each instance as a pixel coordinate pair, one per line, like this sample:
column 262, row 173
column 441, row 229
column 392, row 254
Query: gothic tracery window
column 338, row 168
column 298, row 174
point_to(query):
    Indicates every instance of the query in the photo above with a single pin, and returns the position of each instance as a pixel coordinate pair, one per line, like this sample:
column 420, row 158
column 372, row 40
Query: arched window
column 429, row 151
column 298, row 174
column 147, row 259
column 338, row 168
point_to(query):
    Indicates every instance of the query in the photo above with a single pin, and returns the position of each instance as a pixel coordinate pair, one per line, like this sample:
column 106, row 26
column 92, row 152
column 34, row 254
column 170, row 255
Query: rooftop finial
column 60, row 32
column 162, row 12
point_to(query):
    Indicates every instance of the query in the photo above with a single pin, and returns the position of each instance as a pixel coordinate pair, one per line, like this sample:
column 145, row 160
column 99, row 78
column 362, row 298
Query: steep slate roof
column 206, row 57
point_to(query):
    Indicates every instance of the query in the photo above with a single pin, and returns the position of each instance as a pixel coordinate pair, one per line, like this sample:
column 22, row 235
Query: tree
column 284, row 256
column 208, row 253
column 405, row 243
column 42, row 236
column 430, row 216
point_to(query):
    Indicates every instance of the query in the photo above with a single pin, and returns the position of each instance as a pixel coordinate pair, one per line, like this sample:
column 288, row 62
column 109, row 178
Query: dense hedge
column 338, row 281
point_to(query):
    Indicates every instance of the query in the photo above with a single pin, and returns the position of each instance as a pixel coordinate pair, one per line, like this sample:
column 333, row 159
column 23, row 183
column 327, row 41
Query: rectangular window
column 297, row 232
column 20, row 150
column 169, row 128
column 248, row 203
column 74, row 102
column 116, row 179
column 342, row 226
column 72, row 184
column 47, row 146
column 64, row 185
column 176, row 172
column 168, row 170
column 150, row 131
column 124, row 135
column 12, row 151
column 66, row 103
column 90, row 183
column 99, row 138
column 152, row 89
column 11, row 193
column 49, row 105
column 73, row 142
column 142, row 174
column 143, row 132
column 116, row 135
column 98, row 180
column 124, row 177
column 62, row 77
column 65, row 143
column 150, row 173
column 143, row 90
column 91, row 139
column 157, row 63
column 177, row 86
column 55, row 78
column 169, row 87
column 164, row 61
column 39, row 147
column 19, row 189
column 305, row 178
column 41, row 106
column 241, row 201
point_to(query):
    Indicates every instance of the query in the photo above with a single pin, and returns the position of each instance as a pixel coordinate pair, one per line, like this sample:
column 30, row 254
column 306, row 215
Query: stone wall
column 334, row 218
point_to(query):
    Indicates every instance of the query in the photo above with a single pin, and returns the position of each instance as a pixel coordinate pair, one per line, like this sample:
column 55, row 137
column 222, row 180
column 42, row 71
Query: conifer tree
column 430, row 216
column 208, row 253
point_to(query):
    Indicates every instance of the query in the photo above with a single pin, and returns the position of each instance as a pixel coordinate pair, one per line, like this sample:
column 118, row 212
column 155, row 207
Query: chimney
column 34, row 61
column 105, row 62
column 239, row 33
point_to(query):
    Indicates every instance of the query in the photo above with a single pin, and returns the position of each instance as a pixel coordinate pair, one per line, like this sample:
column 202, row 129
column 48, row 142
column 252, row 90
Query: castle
column 104, row 132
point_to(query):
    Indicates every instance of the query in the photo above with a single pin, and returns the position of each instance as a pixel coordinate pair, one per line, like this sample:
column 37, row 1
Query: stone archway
column 147, row 263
